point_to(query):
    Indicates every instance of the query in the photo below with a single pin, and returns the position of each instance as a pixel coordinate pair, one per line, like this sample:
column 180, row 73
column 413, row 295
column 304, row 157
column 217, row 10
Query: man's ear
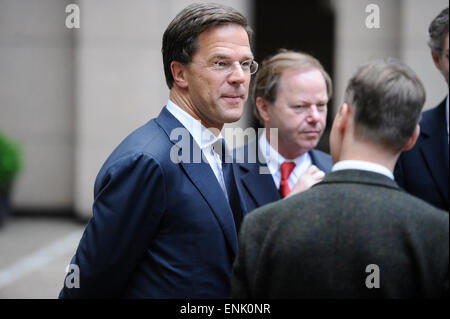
column 179, row 74
column 412, row 140
column 343, row 117
column 436, row 60
column 263, row 108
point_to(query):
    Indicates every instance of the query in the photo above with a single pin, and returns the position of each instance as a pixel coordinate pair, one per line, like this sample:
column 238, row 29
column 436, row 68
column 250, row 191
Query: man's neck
column 185, row 103
column 366, row 152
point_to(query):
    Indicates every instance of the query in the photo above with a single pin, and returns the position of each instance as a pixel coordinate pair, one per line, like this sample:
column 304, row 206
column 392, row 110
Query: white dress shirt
column 363, row 166
column 274, row 161
column 204, row 139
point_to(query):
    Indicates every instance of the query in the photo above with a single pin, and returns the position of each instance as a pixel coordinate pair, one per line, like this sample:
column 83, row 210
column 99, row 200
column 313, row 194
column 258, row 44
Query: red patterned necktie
column 286, row 169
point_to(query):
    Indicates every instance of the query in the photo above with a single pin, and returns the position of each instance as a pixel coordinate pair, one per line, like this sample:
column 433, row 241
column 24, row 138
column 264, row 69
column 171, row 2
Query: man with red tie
column 291, row 91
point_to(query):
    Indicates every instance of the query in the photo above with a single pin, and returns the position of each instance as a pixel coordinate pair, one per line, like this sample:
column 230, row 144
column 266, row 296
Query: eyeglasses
column 227, row 67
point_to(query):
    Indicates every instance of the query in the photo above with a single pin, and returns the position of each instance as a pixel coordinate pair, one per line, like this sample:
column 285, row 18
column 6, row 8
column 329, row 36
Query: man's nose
column 313, row 114
column 237, row 74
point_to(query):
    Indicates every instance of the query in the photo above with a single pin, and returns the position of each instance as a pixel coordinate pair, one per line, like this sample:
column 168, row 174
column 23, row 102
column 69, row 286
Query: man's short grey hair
column 438, row 30
column 386, row 98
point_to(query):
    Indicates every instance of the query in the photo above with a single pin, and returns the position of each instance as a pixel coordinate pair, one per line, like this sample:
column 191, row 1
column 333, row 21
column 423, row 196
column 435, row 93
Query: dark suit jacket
column 423, row 171
column 159, row 229
column 318, row 244
column 259, row 189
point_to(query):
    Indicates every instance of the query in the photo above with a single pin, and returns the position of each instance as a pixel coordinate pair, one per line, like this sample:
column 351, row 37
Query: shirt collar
column 273, row 158
column 201, row 135
column 364, row 166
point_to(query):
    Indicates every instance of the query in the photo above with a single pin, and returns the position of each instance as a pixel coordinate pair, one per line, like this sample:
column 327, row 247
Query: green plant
column 10, row 161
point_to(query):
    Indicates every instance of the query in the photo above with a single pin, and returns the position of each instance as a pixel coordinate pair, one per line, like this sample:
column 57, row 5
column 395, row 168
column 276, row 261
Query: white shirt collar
column 364, row 166
column 201, row 135
column 275, row 159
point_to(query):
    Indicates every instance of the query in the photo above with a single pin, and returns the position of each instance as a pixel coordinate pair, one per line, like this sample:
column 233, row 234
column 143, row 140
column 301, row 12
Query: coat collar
column 360, row 177
column 254, row 173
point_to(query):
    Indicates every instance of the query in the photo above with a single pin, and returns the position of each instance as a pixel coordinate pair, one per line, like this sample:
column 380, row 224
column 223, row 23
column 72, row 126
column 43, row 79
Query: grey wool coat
column 324, row 243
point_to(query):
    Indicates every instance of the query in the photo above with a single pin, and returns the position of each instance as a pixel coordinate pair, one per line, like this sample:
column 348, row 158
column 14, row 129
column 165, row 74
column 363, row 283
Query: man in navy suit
column 166, row 205
column 424, row 170
column 291, row 92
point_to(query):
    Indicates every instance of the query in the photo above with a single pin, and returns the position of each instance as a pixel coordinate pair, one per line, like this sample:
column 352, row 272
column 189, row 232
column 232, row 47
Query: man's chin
column 234, row 115
column 232, row 119
column 310, row 145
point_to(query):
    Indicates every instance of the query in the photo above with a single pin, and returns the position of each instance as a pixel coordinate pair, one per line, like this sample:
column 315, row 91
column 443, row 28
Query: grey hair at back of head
column 387, row 98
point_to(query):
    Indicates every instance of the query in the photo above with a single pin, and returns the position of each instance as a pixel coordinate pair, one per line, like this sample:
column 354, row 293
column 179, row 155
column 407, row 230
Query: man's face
column 217, row 97
column 299, row 111
column 441, row 61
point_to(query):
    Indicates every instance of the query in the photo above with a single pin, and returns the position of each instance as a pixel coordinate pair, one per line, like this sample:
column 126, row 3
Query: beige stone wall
column 37, row 99
column 403, row 34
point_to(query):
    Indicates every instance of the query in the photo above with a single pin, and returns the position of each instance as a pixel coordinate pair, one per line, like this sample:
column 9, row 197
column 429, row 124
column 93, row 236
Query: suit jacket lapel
column 319, row 162
column 252, row 179
column 240, row 190
column 202, row 176
column 206, row 182
column 434, row 132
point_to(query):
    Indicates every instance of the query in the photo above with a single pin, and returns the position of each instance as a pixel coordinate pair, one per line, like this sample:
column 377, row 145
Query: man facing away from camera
column 355, row 234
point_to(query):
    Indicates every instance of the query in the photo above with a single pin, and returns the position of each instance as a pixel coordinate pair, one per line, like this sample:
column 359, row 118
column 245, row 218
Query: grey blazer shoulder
column 318, row 244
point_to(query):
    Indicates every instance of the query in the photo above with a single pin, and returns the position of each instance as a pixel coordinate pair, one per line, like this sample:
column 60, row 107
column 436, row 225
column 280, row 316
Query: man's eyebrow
column 323, row 101
column 219, row 56
column 227, row 57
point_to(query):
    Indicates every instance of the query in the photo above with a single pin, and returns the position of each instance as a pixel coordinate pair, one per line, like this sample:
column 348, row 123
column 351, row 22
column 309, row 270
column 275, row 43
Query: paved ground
column 34, row 254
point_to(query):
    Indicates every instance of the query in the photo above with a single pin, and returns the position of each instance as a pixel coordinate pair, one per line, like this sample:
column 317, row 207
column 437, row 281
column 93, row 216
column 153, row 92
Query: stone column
column 357, row 43
column 36, row 100
column 415, row 19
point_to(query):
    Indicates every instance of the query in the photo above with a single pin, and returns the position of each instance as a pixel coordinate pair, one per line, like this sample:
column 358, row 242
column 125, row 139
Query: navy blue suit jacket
column 259, row 189
column 159, row 229
column 423, row 171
